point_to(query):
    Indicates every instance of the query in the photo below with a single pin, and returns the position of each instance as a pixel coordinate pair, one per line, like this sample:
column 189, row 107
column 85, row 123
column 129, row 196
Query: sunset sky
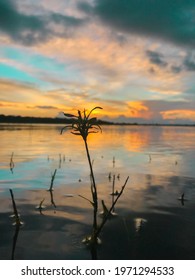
column 134, row 58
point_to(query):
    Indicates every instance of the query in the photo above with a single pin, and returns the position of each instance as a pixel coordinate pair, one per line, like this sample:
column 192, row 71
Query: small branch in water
column 113, row 185
column 109, row 177
column 52, row 180
column 11, row 164
column 87, row 199
column 52, row 199
column 113, row 161
column 111, row 209
column 16, row 215
column 40, row 207
column 15, row 237
column 60, row 161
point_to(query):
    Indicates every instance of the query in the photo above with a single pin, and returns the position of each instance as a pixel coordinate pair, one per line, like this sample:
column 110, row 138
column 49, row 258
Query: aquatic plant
column 15, row 237
column 52, row 180
column 17, row 222
column 40, row 207
column 11, row 164
column 82, row 125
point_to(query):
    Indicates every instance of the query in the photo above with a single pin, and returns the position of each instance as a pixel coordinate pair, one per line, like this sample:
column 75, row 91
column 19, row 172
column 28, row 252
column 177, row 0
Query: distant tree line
column 41, row 120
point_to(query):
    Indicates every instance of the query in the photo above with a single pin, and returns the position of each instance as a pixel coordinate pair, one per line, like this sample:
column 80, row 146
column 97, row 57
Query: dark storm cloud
column 31, row 29
column 189, row 62
column 19, row 27
column 171, row 20
column 66, row 20
column 156, row 58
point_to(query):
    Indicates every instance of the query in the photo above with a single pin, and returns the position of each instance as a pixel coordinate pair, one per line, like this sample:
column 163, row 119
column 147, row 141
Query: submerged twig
column 113, row 161
column 52, row 180
column 60, row 161
column 111, row 209
column 86, row 199
column 11, row 164
column 16, row 215
column 51, row 197
column 40, row 207
column 15, row 237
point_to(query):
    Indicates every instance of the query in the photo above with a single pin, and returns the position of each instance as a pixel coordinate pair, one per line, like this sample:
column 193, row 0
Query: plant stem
column 52, row 180
column 111, row 209
column 93, row 189
column 17, row 219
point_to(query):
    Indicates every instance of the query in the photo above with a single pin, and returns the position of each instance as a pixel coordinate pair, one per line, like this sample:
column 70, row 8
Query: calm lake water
column 151, row 221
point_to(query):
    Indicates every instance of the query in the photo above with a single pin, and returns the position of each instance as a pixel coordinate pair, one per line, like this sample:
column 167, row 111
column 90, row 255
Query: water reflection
column 17, row 223
column 158, row 199
column 139, row 224
column 52, row 198
column 182, row 199
column 14, row 242
column 40, row 207
column 11, row 164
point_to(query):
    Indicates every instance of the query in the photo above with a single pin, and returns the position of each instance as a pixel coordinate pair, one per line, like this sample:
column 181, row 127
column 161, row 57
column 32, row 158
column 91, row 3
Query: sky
column 134, row 58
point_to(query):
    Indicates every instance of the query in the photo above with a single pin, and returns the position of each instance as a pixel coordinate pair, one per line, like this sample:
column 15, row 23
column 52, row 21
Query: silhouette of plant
column 82, row 125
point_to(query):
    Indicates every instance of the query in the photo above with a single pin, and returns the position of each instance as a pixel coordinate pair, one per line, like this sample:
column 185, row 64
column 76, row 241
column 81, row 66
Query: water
column 151, row 221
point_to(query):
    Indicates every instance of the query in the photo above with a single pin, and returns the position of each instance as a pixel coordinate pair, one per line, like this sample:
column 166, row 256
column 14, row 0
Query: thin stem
column 17, row 218
column 14, row 204
column 93, row 188
column 52, row 180
column 111, row 209
column 86, row 199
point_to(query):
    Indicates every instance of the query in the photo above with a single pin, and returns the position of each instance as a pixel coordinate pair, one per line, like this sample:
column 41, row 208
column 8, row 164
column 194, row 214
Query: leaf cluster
column 82, row 124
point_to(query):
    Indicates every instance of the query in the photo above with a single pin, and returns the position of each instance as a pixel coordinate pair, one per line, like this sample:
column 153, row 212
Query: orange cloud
column 95, row 51
column 138, row 110
column 179, row 114
column 23, row 99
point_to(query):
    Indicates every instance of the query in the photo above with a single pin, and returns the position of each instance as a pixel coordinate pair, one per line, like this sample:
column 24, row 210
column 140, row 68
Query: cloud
column 169, row 20
column 19, row 27
column 189, row 62
column 165, row 91
column 8, row 104
column 138, row 109
column 179, row 114
column 155, row 111
column 31, row 29
column 46, row 107
column 156, row 58
column 164, row 110
column 176, row 69
column 13, row 91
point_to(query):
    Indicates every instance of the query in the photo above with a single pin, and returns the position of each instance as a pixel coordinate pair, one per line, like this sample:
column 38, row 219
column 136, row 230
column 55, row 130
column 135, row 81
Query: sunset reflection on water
column 159, row 160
